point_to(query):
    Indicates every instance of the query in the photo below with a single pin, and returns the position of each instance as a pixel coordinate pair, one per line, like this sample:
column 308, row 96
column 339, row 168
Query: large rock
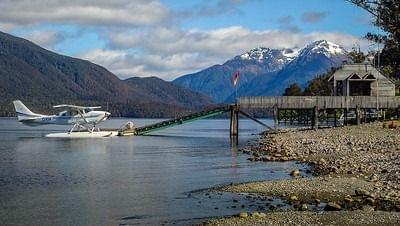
column 362, row 192
column 295, row 173
column 332, row 206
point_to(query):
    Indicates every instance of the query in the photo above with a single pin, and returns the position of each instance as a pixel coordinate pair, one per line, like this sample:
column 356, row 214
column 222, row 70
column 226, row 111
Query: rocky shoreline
column 295, row 218
column 357, row 170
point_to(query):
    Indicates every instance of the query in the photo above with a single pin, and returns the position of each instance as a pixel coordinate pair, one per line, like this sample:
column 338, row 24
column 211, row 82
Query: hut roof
column 357, row 71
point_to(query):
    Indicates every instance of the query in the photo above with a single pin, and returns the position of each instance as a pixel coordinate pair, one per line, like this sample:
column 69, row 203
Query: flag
column 235, row 78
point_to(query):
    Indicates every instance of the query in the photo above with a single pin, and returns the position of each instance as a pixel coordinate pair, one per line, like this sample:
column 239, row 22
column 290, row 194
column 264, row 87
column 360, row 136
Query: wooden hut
column 361, row 80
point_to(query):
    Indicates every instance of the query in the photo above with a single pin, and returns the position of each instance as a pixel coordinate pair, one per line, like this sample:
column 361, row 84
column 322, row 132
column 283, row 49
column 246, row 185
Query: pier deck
column 321, row 102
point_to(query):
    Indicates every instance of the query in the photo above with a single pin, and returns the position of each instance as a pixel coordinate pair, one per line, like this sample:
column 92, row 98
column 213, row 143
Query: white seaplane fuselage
column 64, row 118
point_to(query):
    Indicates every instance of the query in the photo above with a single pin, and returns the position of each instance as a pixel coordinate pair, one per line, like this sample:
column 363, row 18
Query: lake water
column 124, row 180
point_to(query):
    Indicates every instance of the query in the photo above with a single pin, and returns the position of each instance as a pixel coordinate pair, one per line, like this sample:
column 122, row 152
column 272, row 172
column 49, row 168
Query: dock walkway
column 181, row 120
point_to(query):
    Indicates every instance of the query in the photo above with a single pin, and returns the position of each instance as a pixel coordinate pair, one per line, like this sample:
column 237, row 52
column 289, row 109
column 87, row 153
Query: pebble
column 370, row 201
column 303, row 207
column 348, row 199
column 368, row 208
column 294, row 198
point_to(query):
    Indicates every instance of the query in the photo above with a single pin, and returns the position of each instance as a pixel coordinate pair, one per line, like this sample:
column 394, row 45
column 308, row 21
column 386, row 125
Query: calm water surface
column 123, row 180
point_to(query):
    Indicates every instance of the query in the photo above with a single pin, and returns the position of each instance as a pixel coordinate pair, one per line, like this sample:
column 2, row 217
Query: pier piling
column 276, row 118
column 234, row 125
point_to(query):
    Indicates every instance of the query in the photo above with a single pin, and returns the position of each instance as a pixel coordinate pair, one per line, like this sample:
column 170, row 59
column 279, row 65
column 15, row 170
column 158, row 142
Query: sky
column 170, row 38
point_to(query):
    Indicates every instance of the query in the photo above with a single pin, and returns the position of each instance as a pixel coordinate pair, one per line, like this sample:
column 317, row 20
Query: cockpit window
column 87, row 110
column 63, row 113
column 73, row 112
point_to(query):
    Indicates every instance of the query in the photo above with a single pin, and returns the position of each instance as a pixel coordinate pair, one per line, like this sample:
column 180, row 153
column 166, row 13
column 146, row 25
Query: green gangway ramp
column 181, row 120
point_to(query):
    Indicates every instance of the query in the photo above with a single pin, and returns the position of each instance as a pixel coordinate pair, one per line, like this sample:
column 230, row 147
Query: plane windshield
column 63, row 113
column 73, row 112
column 68, row 113
column 87, row 110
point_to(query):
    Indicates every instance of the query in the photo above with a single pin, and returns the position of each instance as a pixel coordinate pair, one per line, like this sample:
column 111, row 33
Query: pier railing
column 321, row 102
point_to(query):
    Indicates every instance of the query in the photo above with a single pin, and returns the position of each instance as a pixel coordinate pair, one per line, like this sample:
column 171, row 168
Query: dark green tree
column 386, row 16
column 320, row 86
column 293, row 90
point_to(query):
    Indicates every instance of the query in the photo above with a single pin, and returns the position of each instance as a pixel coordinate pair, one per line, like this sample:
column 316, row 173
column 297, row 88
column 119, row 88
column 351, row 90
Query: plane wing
column 75, row 107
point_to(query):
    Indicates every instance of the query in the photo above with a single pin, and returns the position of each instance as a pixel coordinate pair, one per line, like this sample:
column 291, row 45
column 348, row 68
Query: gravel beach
column 295, row 218
column 357, row 181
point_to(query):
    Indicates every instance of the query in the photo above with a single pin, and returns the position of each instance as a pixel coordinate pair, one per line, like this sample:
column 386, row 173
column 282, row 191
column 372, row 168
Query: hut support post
column 334, row 117
column 358, row 116
column 314, row 123
column 365, row 115
column 384, row 115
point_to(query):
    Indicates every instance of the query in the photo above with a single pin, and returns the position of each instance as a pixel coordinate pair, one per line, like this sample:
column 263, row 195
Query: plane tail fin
column 23, row 113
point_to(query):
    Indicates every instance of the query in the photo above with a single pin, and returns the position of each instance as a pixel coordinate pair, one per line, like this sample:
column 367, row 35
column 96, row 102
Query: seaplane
column 86, row 118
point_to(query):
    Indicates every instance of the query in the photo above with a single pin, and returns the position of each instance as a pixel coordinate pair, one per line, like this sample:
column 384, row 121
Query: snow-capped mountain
column 216, row 81
column 267, row 56
column 327, row 48
column 264, row 59
column 323, row 49
column 265, row 71
column 315, row 59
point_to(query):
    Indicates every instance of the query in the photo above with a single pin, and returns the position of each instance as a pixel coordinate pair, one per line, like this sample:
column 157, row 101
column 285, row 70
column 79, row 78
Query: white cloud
column 88, row 12
column 5, row 27
column 45, row 38
column 126, row 64
column 223, row 42
column 171, row 52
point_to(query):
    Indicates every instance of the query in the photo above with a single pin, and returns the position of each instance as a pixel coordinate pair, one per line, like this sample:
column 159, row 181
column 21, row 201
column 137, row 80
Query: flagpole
column 236, row 94
column 235, row 84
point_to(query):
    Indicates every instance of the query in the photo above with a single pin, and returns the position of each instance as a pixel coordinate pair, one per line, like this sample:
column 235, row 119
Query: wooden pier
column 314, row 104
column 321, row 102
column 308, row 106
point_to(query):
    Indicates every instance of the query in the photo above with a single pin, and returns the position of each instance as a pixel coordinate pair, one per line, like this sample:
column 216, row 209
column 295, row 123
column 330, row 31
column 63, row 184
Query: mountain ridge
column 266, row 71
column 315, row 59
column 42, row 78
